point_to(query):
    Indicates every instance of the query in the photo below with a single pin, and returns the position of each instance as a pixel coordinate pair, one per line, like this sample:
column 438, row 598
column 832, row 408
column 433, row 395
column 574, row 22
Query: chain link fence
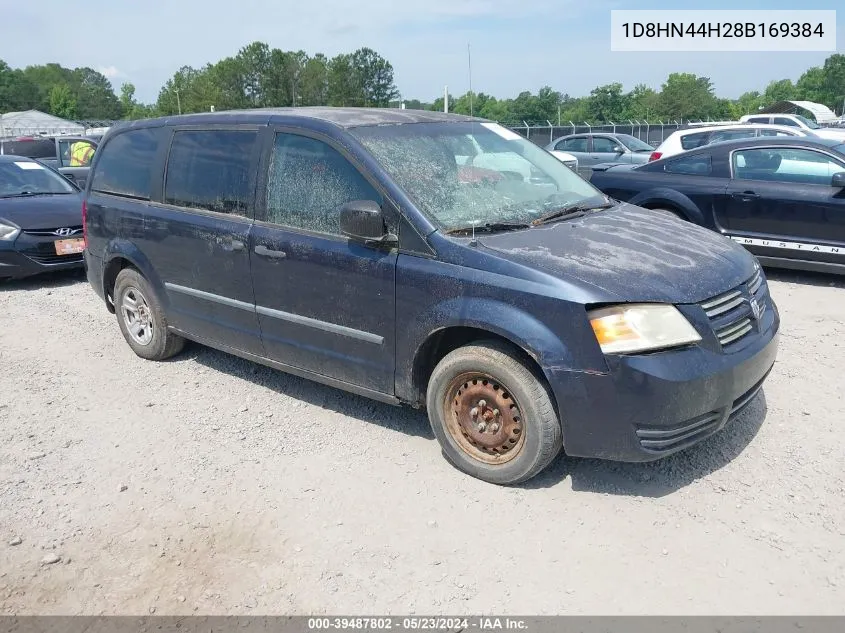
column 653, row 133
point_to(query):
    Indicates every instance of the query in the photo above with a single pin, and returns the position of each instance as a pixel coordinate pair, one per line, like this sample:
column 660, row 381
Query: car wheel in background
column 141, row 318
column 493, row 417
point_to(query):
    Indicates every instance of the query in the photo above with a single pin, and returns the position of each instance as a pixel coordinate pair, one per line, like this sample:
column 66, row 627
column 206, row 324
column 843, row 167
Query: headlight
column 8, row 231
column 640, row 327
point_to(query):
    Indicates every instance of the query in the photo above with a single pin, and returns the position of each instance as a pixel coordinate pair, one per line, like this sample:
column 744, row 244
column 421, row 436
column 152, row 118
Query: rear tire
column 493, row 417
column 141, row 318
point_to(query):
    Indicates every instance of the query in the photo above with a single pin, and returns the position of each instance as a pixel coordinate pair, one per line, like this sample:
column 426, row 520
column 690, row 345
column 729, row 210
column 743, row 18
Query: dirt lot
column 211, row 485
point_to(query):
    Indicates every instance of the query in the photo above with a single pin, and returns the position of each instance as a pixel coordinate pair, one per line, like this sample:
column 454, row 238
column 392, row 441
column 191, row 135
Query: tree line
column 261, row 76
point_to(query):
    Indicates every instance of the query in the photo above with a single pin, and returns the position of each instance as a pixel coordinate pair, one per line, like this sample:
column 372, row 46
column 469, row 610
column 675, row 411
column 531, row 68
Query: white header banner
column 722, row 30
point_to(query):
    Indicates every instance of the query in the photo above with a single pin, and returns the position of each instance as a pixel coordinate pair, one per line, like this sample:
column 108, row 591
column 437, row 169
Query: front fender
column 663, row 197
column 489, row 315
column 124, row 249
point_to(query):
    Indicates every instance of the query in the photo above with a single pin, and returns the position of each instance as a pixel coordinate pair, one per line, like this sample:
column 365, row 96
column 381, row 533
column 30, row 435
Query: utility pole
column 178, row 101
column 445, row 98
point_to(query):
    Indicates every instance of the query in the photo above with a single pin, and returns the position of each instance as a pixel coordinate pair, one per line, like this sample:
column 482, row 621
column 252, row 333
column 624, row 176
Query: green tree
column 17, row 92
column 607, row 103
column 95, row 96
column 688, row 96
column 782, row 90
column 314, row 81
column 62, row 103
column 642, row 103
column 344, row 85
column 374, row 76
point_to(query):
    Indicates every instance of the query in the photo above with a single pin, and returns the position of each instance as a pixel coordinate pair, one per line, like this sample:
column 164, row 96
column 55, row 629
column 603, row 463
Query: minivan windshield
column 466, row 173
column 28, row 178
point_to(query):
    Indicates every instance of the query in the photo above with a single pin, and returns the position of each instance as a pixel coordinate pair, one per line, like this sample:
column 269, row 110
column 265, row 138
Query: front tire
column 141, row 318
column 493, row 417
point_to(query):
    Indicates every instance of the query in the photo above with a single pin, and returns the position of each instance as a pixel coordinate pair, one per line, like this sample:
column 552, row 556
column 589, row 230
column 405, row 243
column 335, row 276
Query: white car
column 472, row 154
column 690, row 138
column 795, row 121
column 567, row 159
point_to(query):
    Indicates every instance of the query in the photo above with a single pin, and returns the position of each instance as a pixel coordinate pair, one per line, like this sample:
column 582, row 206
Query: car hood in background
column 43, row 212
column 631, row 253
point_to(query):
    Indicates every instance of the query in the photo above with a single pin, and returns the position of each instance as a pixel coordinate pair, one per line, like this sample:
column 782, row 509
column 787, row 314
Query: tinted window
column 698, row 165
column 125, row 164
column 691, row 141
column 309, row 182
column 211, row 169
column 776, row 133
column 759, row 119
column 603, row 145
column 573, row 144
column 785, row 165
column 779, row 120
column 728, row 135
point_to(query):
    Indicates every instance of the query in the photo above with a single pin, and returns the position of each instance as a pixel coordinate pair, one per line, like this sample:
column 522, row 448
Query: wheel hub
column 484, row 418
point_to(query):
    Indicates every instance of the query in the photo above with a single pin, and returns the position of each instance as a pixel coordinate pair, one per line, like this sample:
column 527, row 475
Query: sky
column 516, row 45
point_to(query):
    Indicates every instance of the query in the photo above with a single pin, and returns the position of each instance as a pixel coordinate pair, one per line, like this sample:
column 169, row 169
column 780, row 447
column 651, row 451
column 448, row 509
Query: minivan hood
column 43, row 212
column 632, row 253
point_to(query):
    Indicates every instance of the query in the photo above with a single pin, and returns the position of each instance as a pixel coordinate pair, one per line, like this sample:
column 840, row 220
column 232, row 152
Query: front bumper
column 29, row 255
column 652, row 405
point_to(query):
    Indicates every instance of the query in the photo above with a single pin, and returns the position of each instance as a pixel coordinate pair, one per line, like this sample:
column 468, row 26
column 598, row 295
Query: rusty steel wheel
column 484, row 418
column 493, row 416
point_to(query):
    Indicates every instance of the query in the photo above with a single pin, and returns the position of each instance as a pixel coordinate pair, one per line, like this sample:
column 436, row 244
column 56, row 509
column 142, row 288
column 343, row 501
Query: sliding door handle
column 266, row 252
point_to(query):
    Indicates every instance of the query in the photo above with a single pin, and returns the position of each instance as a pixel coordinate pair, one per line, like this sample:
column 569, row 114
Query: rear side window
column 698, row 165
column 691, row 141
column 578, row 144
column 211, row 170
column 126, row 163
column 759, row 119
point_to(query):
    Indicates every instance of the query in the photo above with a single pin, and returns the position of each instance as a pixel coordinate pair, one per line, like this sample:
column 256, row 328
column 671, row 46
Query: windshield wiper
column 488, row 227
column 27, row 194
column 571, row 210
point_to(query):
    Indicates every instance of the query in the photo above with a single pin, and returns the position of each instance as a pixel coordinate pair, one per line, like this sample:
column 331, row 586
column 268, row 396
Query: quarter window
column 126, row 163
column 791, row 165
column 309, row 182
column 211, row 170
column 698, row 165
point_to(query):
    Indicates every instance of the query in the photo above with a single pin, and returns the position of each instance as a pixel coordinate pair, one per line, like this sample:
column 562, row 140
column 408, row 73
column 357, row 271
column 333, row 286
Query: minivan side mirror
column 363, row 220
column 838, row 180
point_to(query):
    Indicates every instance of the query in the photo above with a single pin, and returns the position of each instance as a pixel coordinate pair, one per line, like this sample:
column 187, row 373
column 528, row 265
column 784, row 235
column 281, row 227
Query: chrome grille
column 731, row 313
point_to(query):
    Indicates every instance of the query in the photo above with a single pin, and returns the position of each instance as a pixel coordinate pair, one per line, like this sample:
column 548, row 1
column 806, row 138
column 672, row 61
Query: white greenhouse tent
column 821, row 113
column 34, row 122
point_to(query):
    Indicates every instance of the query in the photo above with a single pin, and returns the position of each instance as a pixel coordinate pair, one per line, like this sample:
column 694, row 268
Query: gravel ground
column 208, row 484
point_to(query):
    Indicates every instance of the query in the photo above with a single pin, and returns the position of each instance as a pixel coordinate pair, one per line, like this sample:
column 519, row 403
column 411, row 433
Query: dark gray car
column 53, row 151
column 595, row 148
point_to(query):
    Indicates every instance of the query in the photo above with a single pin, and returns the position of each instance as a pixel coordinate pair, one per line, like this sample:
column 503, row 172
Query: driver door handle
column 745, row 196
column 266, row 252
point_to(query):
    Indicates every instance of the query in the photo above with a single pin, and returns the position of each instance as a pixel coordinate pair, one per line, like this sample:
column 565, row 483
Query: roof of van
column 342, row 117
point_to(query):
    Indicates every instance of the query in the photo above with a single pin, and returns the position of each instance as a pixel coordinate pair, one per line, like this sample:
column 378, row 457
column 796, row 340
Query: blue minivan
column 364, row 249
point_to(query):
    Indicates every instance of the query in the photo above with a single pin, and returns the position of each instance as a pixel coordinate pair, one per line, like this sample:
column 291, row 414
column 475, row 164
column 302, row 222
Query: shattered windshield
column 466, row 173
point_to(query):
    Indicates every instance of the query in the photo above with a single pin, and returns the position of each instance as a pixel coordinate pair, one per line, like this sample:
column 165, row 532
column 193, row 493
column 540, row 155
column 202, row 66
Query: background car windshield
column 28, row 177
column 461, row 174
column 633, row 143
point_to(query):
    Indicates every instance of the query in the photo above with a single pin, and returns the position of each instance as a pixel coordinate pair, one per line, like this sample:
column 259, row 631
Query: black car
column 352, row 247
column 40, row 219
column 57, row 152
column 781, row 198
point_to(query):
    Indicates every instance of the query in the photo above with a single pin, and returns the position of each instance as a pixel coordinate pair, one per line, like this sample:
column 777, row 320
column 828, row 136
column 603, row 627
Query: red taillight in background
column 85, row 223
column 654, row 156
